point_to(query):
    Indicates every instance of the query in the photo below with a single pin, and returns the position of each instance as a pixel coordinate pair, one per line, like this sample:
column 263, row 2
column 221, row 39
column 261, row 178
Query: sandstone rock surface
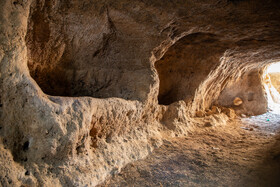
column 275, row 80
column 89, row 86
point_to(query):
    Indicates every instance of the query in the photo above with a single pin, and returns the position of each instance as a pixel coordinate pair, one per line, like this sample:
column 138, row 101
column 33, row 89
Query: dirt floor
column 246, row 152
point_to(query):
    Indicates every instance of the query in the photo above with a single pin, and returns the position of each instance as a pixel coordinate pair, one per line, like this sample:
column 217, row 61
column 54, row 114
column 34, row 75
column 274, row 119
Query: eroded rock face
column 275, row 80
column 246, row 95
column 85, row 49
column 81, row 81
column 186, row 64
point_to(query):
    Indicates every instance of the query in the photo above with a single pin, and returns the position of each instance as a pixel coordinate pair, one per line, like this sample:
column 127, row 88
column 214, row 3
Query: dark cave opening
column 186, row 64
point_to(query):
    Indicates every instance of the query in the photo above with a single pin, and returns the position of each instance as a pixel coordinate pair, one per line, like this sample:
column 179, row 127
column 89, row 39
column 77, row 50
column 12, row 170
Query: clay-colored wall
column 186, row 64
column 104, row 56
column 249, row 88
column 275, row 80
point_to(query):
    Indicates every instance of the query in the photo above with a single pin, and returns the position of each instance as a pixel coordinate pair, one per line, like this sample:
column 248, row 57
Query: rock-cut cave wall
column 75, row 48
column 89, row 86
column 186, row 64
column 250, row 89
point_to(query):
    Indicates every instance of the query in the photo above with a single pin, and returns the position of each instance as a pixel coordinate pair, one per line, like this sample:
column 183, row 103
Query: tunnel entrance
column 269, row 121
column 272, row 86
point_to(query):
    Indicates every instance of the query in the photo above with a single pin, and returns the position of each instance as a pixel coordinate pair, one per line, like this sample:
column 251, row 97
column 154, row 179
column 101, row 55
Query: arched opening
column 81, row 49
column 66, row 53
column 269, row 121
column 186, row 64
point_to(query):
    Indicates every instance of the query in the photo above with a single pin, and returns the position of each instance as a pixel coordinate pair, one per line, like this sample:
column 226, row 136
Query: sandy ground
column 246, row 152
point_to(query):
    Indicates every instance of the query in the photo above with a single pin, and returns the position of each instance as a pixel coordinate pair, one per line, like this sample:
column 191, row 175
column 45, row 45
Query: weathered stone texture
column 89, row 86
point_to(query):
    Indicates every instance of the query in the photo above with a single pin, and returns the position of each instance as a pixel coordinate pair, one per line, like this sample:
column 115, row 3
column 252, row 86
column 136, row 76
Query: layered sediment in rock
column 87, row 87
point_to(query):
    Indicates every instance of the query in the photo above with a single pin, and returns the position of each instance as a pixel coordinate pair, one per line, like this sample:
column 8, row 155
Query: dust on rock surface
column 219, row 156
